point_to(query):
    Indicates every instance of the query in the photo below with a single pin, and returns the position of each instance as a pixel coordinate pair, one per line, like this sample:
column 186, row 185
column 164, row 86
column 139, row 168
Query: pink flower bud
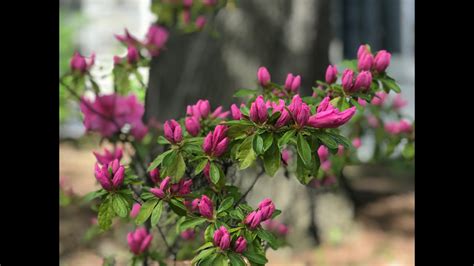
column 192, row 126
column 365, row 62
column 184, row 187
column 204, row 108
column 263, row 76
column 206, row 207
column 331, row 74
column 323, row 153
column 267, row 208
column 165, row 183
column 117, row 180
column 139, row 240
column 195, row 204
column 219, row 114
column 186, row 16
column 206, row 171
column 80, row 64
column 127, row 39
column 258, row 110
column 236, row 114
column 132, row 55
column 347, row 80
column 300, row 110
column 207, row 144
column 373, row 121
column 155, row 175
column 173, row 131
column 285, row 156
column 117, row 60
column 329, row 180
column 159, row 193
column 282, row 229
column 253, row 219
column 329, row 117
column 240, row 244
column 363, row 49
column 222, row 238
column 187, row 3
column 110, row 175
column 405, row 126
column 188, row 234
column 109, row 156
column 135, row 210
column 398, row 102
column 362, row 102
column 156, row 38
column 221, row 147
column 326, row 165
column 340, row 150
column 357, row 143
column 381, row 61
column 292, row 83
column 363, row 81
column 200, row 22
column 379, row 98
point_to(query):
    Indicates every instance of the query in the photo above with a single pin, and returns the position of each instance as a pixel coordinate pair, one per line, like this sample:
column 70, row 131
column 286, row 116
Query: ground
column 383, row 232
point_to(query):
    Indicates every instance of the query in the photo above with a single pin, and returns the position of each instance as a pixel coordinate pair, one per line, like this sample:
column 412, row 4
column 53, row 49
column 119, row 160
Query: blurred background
column 299, row 36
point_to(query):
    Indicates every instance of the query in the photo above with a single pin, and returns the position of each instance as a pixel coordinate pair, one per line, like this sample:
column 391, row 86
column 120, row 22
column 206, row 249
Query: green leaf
column 210, row 260
column 301, row 171
column 200, row 167
column 203, row 254
column 257, row 144
column 156, row 214
column 255, row 258
column 391, row 84
column 225, row 204
column 235, row 259
column 106, row 214
column 237, row 214
column 120, row 205
column 272, row 160
column 214, row 173
column 286, row 138
column 181, row 168
column 162, row 140
column 178, row 207
column 351, row 64
column 145, row 211
column 205, row 246
column 327, row 140
column 245, row 92
column 269, row 237
column 246, row 155
column 220, row 260
column 267, row 141
column 276, row 213
column 304, row 150
column 94, row 194
column 209, row 233
column 191, row 223
column 158, row 160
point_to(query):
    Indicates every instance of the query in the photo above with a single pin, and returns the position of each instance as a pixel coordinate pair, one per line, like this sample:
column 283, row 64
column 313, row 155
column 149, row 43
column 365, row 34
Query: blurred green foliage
column 68, row 25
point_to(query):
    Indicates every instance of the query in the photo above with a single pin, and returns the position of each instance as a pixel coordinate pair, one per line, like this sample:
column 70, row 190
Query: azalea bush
column 175, row 181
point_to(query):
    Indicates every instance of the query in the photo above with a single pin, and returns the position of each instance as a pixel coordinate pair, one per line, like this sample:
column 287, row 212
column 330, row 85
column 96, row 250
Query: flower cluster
column 110, row 113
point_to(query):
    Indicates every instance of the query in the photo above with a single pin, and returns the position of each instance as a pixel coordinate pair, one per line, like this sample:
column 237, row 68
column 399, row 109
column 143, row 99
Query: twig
column 168, row 247
column 250, row 188
column 92, row 109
